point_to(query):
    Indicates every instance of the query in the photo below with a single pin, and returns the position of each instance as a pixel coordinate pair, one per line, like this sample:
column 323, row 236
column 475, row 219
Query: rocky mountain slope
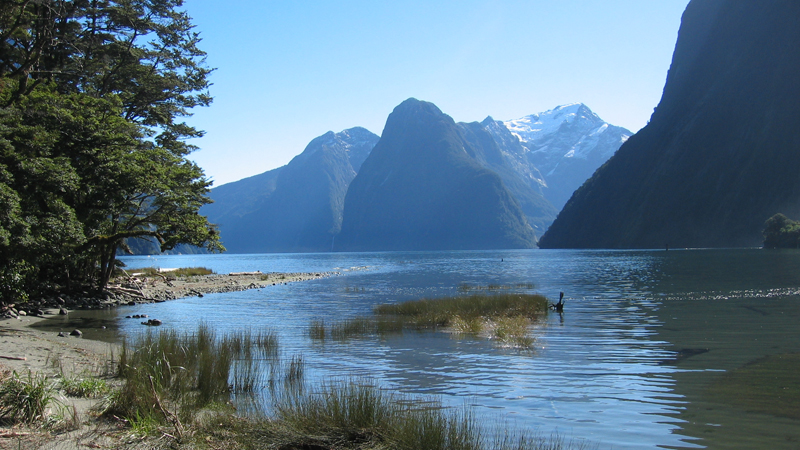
column 721, row 153
column 297, row 207
column 566, row 144
column 422, row 187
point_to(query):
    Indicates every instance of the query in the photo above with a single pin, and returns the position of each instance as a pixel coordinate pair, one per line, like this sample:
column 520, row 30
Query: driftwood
column 234, row 274
column 14, row 358
column 11, row 434
column 134, row 281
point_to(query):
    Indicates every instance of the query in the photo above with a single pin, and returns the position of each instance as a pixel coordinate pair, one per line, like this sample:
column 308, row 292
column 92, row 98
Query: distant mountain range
column 721, row 153
column 431, row 184
column 295, row 208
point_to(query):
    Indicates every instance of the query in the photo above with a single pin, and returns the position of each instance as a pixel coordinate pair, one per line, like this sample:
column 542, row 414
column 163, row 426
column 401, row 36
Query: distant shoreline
column 158, row 289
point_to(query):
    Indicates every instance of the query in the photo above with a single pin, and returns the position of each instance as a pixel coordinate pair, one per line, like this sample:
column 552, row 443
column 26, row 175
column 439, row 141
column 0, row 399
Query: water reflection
column 627, row 365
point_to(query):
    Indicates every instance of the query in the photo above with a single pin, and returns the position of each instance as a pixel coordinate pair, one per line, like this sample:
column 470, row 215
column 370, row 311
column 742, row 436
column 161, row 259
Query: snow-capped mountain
column 566, row 144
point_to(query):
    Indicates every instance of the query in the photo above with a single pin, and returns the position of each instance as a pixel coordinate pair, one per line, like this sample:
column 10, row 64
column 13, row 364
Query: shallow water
column 626, row 366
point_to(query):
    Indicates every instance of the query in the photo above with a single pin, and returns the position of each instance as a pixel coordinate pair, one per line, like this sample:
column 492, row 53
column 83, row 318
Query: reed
column 440, row 311
column 357, row 414
column 186, row 372
column 316, row 330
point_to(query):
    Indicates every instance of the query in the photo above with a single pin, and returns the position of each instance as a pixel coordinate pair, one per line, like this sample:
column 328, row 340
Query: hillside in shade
column 295, row 208
column 422, row 188
column 721, row 153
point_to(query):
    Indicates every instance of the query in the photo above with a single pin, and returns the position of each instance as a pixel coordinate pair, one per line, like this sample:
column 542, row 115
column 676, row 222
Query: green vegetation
column 188, row 372
column 182, row 272
column 93, row 146
column 505, row 317
column 354, row 414
column 781, row 232
column 85, row 387
column 768, row 385
column 25, row 399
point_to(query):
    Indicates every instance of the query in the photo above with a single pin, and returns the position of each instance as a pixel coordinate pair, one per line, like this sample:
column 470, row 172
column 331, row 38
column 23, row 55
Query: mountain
column 241, row 197
column 566, row 145
column 522, row 182
column 421, row 188
column 721, row 153
column 295, row 208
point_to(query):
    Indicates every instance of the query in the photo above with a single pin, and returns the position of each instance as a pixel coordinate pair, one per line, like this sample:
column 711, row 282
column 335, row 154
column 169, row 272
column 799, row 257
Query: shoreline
column 135, row 289
column 163, row 287
column 30, row 342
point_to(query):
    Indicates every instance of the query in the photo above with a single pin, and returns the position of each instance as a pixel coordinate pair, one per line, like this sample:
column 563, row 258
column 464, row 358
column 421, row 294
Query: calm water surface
column 626, row 366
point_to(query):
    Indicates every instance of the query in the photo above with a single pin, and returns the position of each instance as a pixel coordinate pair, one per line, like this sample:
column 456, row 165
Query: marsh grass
column 187, row 381
column 182, row 373
column 505, row 317
column 316, row 330
column 26, row 399
column 356, row 414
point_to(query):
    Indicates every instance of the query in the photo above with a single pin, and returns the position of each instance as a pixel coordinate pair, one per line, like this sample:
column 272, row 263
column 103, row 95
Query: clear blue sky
column 289, row 71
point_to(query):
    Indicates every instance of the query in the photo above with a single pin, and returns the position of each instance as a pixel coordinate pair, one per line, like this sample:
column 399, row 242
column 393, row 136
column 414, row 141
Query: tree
column 781, row 232
column 92, row 146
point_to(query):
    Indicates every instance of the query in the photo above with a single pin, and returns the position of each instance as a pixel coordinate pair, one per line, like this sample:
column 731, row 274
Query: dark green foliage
column 721, row 150
column 781, row 232
column 92, row 151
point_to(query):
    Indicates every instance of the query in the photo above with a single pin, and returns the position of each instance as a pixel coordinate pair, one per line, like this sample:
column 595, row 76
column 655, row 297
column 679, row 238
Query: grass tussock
column 505, row 317
column 84, row 387
column 26, row 399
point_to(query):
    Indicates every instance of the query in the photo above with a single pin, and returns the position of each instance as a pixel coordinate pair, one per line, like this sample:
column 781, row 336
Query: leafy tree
column 781, row 232
column 92, row 146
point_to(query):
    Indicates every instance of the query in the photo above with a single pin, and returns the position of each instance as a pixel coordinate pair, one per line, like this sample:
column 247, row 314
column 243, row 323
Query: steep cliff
column 721, row 153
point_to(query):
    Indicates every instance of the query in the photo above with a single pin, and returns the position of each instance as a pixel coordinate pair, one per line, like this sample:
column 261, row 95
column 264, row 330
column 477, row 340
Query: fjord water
column 628, row 365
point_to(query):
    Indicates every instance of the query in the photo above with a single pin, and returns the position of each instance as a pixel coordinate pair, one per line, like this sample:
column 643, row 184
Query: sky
column 288, row 71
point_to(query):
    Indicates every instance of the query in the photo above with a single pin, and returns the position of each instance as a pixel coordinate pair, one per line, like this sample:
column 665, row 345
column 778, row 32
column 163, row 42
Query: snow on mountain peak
column 537, row 126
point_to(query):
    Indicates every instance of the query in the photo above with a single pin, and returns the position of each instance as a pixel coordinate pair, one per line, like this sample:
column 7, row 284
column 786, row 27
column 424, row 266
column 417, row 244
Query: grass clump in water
column 502, row 316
